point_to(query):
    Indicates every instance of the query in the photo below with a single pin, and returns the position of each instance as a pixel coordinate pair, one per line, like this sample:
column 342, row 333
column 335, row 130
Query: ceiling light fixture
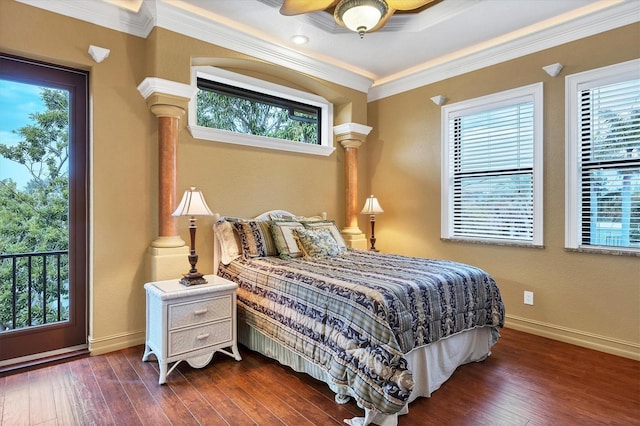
column 360, row 16
column 300, row 39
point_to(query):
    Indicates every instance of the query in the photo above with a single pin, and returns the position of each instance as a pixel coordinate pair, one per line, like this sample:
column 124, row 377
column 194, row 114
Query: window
column 603, row 159
column 234, row 108
column 492, row 168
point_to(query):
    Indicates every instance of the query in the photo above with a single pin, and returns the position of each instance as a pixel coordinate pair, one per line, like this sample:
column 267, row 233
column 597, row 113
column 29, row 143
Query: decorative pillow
column 285, row 217
column 289, row 218
column 312, row 219
column 230, row 247
column 284, row 239
column 330, row 226
column 255, row 238
column 317, row 243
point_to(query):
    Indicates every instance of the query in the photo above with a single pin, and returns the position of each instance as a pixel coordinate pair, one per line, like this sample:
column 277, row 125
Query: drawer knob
column 202, row 336
column 201, row 311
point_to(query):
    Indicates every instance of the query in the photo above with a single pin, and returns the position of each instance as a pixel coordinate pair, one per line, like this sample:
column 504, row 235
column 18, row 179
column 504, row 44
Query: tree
column 35, row 219
column 249, row 116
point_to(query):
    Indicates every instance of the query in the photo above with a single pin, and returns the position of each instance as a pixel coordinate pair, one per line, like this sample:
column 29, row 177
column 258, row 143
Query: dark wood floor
column 527, row 380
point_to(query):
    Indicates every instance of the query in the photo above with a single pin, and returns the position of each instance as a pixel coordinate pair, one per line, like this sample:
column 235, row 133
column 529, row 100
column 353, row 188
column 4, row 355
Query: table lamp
column 192, row 205
column 372, row 208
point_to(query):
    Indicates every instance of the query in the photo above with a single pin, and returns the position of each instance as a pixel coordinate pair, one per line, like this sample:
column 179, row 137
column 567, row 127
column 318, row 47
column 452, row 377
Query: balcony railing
column 34, row 289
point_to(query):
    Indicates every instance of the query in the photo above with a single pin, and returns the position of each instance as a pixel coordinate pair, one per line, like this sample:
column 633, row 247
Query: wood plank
column 148, row 410
column 213, row 393
column 169, row 399
column 319, row 393
column 16, row 405
column 41, row 395
column 219, row 372
column 64, row 395
column 91, row 406
column 284, row 402
column 316, row 394
column 528, row 380
column 119, row 405
column 272, row 408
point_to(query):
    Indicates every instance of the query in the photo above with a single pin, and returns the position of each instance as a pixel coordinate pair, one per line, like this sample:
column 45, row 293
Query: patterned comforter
column 358, row 313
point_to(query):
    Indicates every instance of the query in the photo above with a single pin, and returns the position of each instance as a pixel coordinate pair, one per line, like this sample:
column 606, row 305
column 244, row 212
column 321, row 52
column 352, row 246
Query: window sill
column 224, row 136
column 493, row 243
column 611, row 252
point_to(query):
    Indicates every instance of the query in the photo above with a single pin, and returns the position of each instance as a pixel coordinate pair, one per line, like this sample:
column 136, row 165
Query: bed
column 383, row 329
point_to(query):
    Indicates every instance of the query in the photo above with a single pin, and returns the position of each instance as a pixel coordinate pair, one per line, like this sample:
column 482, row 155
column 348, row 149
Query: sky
column 17, row 101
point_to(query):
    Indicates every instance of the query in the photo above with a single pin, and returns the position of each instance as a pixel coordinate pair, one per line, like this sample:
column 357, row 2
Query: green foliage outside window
column 256, row 117
column 35, row 219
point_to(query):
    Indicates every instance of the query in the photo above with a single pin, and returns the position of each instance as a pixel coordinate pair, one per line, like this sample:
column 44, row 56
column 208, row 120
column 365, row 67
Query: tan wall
column 590, row 299
column 235, row 180
column 123, row 159
column 400, row 163
column 245, row 181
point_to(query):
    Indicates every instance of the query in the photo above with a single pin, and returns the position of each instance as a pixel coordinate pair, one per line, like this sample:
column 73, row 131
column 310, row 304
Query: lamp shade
column 372, row 206
column 192, row 204
column 360, row 15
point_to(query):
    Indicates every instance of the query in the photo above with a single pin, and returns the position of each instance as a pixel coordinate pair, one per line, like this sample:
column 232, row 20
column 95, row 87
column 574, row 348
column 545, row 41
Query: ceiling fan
column 361, row 16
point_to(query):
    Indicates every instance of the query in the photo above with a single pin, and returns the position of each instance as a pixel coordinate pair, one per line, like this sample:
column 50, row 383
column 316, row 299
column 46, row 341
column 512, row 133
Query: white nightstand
column 190, row 323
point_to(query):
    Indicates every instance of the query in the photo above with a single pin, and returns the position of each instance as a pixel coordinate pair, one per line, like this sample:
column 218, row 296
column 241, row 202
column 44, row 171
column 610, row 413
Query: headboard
column 217, row 248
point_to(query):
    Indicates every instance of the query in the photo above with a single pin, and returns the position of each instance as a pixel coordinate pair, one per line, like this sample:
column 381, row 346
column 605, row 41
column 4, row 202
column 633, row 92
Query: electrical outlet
column 528, row 298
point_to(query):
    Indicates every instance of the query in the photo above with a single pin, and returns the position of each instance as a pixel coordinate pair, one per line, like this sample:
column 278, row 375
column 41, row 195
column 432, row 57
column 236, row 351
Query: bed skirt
column 431, row 365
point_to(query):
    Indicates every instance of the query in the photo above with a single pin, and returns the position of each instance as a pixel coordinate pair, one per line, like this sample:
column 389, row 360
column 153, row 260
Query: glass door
column 43, row 208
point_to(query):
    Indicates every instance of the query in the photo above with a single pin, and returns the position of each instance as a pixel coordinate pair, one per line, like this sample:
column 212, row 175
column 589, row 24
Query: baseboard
column 576, row 337
column 116, row 342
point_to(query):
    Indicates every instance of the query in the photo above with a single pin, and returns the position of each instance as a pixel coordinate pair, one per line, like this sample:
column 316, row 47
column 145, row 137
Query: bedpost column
column 351, row 136
column 168, row 101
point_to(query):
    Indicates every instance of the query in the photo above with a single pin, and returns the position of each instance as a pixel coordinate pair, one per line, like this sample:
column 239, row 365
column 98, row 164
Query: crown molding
column 398, row 22
column 427, row 18
column 163, row 14
column 613, row 17
column 346, row 128
column 151, row 85
column 190, row 24
column 104, row 14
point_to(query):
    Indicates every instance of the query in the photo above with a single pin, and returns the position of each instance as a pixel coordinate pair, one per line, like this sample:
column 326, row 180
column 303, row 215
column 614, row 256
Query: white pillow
column 230, row 248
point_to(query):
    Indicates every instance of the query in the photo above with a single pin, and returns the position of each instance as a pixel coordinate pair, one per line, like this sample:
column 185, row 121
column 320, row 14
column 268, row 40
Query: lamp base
column 192, row 278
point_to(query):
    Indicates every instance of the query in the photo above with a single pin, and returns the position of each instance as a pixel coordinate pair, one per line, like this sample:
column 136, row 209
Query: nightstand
column 190, row 323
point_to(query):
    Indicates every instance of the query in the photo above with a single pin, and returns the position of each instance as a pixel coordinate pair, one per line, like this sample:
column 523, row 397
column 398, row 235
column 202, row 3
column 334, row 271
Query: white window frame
column 574, row 84
column 326, row 146
column 533, row 93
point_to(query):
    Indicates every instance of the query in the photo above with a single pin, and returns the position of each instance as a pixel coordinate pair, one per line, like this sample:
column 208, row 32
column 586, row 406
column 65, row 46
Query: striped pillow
column 255, row 238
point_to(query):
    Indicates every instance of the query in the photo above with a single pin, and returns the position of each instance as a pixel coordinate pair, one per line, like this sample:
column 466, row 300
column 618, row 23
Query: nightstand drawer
column 201, row 311
column 199, row 337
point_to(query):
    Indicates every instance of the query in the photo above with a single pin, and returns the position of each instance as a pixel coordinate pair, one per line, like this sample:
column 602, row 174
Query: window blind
column 609, row 164
column 492, row 161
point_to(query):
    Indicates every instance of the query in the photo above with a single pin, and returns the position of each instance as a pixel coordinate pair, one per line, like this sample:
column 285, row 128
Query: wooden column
column 351, row 136
column 168, row 121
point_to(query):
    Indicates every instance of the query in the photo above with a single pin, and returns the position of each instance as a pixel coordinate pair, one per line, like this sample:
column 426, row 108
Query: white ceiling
column 450, row 38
